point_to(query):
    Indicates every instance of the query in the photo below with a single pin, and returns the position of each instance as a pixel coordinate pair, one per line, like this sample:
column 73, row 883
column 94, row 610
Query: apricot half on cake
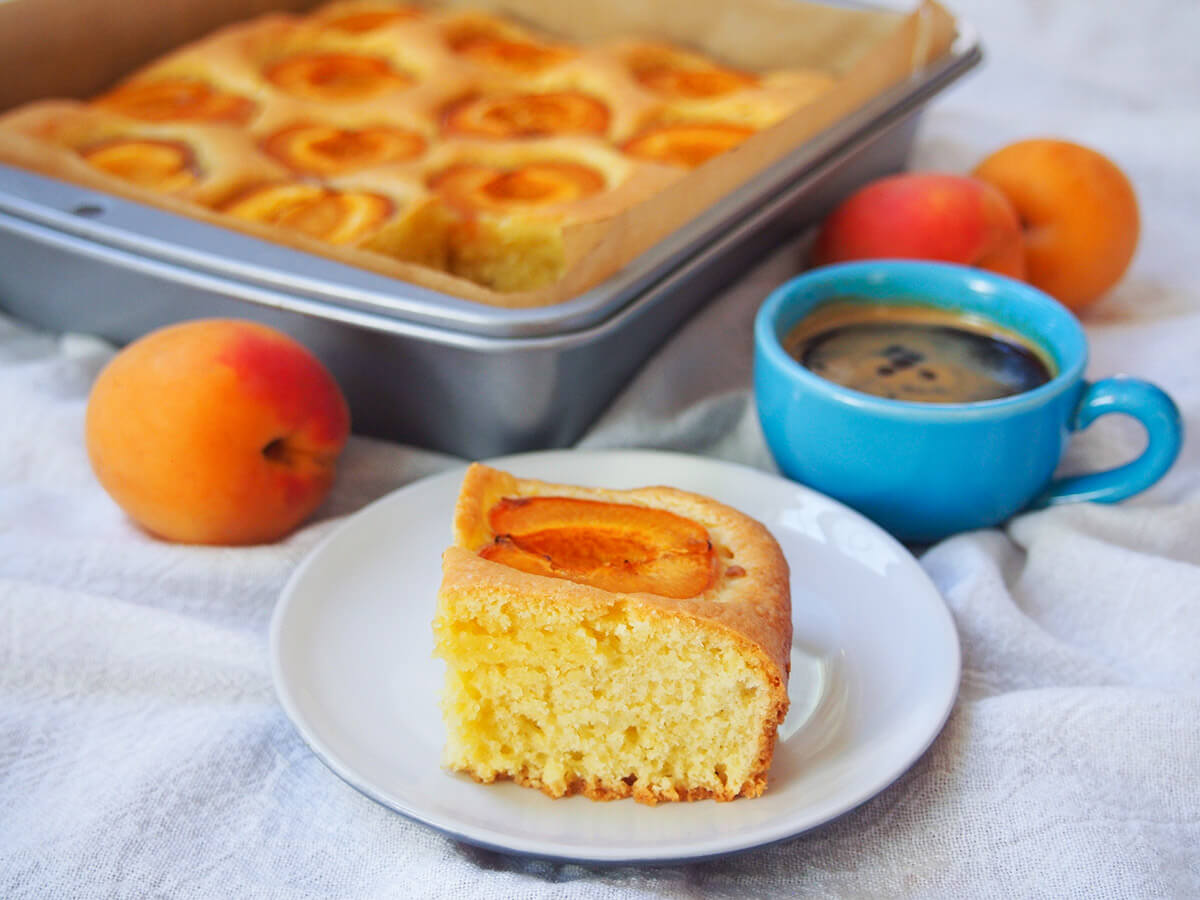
column 526, row 115
column 337, row 217
column 313, row 148
column 500, row 46
column 684, row 76
column 686, row 144
column 363, row 19
column 160, row 165
column 614, row 546
column 611, row 643
column 176, row 101
column 470, row 187
column 335, row 77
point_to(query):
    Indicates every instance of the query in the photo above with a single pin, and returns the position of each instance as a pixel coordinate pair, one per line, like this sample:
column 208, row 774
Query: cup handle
column 1158, row 414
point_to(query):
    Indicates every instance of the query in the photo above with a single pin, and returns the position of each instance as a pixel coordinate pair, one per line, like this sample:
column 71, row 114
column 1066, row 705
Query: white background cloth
column 143, row 754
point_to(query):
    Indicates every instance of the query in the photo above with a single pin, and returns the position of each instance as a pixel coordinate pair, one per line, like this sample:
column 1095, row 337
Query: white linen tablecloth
column 143, row 754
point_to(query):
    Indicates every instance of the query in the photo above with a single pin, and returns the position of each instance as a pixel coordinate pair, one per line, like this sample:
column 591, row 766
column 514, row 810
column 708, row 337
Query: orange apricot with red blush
column 216, row 431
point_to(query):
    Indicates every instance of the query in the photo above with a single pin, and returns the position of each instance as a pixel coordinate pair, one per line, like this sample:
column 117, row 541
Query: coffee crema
column 917, row 353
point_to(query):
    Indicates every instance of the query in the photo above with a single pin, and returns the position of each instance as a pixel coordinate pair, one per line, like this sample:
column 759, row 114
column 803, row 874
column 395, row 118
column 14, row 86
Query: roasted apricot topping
column 335, row 77
column 526, row 115
column 613, row 546
column 493, row 46
column 539, row 184
column 674, row 75
column 686, row 145
column 182, row 101
column 338, row 217
column 325, row 150
column 363, row 20
column 160, row 165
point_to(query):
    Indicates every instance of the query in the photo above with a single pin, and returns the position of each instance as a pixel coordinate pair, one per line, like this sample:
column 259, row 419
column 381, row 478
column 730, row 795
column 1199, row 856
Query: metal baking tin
column 418, row 366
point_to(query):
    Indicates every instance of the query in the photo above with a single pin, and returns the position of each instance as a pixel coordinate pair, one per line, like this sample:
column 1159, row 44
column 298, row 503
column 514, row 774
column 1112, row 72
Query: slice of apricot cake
column 611, row 643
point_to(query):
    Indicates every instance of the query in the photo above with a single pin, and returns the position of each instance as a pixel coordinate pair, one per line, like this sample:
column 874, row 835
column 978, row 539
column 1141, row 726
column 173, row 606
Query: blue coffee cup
column 925, row 471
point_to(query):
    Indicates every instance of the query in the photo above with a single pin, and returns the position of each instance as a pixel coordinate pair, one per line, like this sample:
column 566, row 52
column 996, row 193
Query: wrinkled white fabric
column 143, row 754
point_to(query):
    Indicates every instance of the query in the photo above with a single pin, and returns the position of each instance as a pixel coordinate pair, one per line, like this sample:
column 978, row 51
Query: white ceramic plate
column 875, row 668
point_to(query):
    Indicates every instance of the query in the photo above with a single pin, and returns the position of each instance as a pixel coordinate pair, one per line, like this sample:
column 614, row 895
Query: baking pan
column 418, row 366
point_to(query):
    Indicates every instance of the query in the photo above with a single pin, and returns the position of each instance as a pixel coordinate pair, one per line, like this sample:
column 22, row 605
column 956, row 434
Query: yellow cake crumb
column 562, row 686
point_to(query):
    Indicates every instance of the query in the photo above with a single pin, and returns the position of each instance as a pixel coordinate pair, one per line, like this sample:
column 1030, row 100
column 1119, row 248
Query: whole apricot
column 1079, row 213
column 216, row 431
column 925, row 215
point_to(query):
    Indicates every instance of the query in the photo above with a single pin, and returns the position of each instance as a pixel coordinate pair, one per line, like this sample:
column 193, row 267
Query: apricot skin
column 216, row 431
column 925, row 215
column 1079, row 212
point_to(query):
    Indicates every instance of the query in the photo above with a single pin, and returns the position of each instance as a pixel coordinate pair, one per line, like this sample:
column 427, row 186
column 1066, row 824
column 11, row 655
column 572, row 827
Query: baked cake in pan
column 458, row 142
column 611, row 643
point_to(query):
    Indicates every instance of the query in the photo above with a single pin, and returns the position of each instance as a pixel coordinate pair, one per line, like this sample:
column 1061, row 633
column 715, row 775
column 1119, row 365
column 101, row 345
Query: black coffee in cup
column 916, row 353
